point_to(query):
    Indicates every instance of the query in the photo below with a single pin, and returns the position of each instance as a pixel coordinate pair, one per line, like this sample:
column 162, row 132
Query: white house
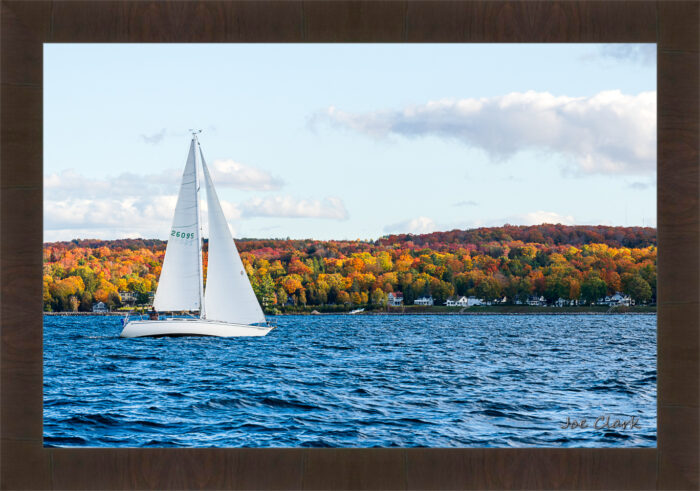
column 561, row 302
column 463, row 301
column 424, row 301
column 495, row 301
column 456, row 302
column 617, row 299
column 100, row 307
column 536, row 301
column 474, row 301
column 128, row 297
column 395, row 299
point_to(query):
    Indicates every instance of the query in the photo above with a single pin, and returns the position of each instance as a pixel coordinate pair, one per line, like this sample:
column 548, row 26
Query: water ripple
column 360, row 381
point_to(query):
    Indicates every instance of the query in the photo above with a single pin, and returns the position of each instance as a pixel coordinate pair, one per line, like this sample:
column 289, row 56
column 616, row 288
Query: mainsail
column 229, row 296
column 180, row 283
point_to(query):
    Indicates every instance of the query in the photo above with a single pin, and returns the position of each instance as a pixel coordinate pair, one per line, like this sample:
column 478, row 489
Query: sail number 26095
column 182, row 235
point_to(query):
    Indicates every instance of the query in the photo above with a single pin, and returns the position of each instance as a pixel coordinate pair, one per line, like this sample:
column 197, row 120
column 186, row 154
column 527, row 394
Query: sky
column 349, row 141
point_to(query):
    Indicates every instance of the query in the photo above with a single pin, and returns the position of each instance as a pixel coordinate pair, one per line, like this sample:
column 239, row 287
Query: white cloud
column 641, row 186
column 117, row 217
column 538, row 217
column 425, row 225
column 237, row 175
column 154, row 138
column 531, row 218
column 637, row 53
column 419, row 225
column 290, row 207
column 131, row 205
column 125, row 206
column 609, row 133
column 225, row 173
column 69, row 183
column 108, row 217
column 466, row 203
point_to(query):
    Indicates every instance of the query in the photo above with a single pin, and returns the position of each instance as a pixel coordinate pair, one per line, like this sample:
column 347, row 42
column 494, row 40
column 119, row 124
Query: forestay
column 179, row 286
column 229, row 296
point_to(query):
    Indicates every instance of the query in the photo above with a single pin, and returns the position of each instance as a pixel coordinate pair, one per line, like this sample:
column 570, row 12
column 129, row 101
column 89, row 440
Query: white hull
column 191, row 327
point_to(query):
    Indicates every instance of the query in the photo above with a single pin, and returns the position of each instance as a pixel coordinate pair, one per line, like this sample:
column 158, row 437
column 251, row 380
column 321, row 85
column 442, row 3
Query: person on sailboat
column 153, row 315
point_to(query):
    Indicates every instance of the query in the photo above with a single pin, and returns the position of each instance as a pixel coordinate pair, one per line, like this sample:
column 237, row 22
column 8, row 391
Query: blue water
column 355, row 381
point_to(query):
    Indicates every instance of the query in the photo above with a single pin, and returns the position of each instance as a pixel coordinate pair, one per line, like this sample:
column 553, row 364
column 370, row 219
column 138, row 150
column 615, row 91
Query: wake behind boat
column 228, row 307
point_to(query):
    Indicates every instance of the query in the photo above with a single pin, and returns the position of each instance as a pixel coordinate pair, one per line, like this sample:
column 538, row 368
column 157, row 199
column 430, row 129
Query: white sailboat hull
column 191, row 327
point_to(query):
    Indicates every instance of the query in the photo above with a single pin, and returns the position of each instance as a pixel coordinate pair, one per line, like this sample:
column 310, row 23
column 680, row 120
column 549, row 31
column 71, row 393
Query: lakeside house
column 463, row 301
column 565, row 302
column 618, row 298
column 128, row 298
column 131, row 298
column 535, row 301
column 424, row 301
column 456, row 302
column 494, row 301
column 100, row 307
column 395, row 299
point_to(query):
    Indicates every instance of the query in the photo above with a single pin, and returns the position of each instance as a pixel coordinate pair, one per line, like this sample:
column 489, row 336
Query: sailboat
column 228, row 307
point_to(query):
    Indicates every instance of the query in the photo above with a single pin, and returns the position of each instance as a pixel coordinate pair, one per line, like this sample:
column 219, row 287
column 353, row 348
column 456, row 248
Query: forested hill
column 546, row 234
column 580, row 263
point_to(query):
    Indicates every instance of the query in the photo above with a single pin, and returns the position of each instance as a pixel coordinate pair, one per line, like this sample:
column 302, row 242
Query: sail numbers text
column 182, row 235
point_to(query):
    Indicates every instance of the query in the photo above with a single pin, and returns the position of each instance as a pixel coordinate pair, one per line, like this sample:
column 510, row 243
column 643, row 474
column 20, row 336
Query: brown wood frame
column 26, row 25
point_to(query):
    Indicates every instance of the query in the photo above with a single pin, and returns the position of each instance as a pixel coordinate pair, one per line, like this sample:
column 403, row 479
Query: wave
column 327, row 382
column 281, row 403
column 50, row 441
column 93, row 419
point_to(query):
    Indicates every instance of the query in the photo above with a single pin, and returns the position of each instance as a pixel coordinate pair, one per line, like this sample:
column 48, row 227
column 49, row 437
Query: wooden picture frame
column 673, row 25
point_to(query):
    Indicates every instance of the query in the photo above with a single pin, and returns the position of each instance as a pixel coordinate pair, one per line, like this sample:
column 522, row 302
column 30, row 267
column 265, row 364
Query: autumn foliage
column 554, row 261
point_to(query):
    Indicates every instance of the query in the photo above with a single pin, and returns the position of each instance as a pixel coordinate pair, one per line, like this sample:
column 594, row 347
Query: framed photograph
column 458, row 309
column 384, row 264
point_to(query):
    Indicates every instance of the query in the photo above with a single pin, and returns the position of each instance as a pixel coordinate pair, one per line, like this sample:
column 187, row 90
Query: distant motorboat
column 229, row 307
column 356, row 311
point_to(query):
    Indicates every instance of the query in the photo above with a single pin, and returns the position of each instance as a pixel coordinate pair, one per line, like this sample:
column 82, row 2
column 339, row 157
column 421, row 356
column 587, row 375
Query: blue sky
column 350, row 141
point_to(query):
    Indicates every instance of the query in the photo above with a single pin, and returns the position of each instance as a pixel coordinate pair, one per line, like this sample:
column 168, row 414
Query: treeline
column 547, row 234
column 555, row 261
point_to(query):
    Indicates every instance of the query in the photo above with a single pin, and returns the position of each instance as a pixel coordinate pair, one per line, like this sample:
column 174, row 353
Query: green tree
column 441, row 291
column 114, row 300
column 524, row 289
column 638, row 289
column 265, row 289
column 281, row 296
column 489, row 288
column 378, row 297
column 86, row 301
column 556, row 288
column 593, row 288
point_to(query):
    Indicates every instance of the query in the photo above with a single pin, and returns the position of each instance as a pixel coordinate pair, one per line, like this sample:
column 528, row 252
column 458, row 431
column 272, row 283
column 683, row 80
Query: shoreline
column 117, row 314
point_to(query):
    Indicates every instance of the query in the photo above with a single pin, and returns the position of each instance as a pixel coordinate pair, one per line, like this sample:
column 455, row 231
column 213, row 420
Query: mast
column 200, row 239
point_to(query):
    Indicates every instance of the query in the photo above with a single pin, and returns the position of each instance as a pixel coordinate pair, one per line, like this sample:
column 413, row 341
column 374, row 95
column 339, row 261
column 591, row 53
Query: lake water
column 356, row 381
